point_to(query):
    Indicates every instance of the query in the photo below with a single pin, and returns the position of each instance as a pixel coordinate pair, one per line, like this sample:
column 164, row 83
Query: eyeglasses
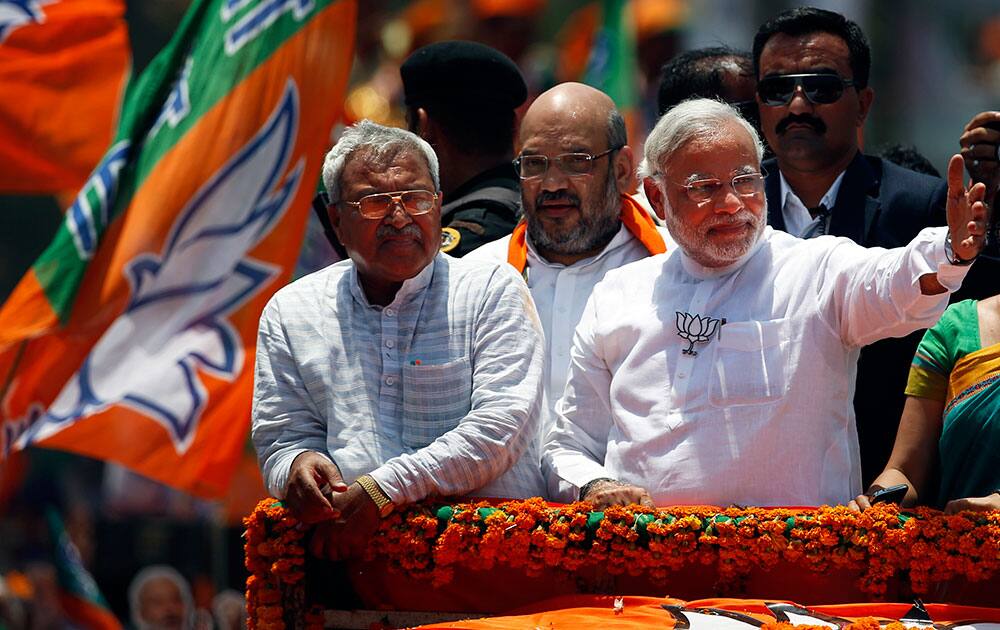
column 821, row 89
column 573, row 164
column 376, row 206
column 745, row 185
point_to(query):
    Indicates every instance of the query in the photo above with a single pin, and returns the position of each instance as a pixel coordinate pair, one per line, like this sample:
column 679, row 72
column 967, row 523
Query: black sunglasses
column 821, row 89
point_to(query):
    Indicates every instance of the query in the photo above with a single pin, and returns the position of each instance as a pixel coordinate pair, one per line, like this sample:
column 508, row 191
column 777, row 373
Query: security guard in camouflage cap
column 460, row 96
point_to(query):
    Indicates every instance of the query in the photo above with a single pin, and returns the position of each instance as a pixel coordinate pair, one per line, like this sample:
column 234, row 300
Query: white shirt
column 763, row 414
column 798, row 220
column 437, row 393
column 560, row 294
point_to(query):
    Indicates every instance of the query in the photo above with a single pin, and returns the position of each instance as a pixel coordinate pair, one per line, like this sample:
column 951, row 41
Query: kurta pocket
column 749, row 363
column 435, row 399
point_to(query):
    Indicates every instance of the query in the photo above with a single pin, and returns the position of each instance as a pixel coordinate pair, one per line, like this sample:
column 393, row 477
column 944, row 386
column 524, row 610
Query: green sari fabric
column 951, row 365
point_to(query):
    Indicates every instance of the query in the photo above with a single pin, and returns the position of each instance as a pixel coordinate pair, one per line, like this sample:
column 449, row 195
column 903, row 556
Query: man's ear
column 425, row 128
column 333, row 212
column 655, row 197
column 625, row 170
column 865, row 98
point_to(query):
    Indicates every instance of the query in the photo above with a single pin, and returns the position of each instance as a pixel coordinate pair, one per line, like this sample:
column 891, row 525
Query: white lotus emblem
column 695, row 329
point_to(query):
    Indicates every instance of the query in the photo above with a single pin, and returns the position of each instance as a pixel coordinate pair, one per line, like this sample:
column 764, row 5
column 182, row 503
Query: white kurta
column 763, row 413
column 560, row 293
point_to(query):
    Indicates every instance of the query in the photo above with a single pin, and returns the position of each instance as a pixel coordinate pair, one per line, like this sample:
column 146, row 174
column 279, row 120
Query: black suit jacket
column 879, row 204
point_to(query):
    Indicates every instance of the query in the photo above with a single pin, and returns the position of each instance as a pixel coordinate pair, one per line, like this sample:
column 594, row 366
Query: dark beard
column 593, row 231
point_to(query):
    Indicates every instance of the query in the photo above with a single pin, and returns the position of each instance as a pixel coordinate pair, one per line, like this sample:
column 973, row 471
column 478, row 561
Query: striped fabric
column 437, row 393
column 955, row 335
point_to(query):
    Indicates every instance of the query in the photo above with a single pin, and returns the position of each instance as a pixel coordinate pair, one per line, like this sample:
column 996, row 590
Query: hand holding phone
column 892, row 494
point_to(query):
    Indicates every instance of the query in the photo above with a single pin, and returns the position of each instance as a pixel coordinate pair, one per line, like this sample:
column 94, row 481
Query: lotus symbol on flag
column 695, row 329
column 15, row 13
column 175, row 324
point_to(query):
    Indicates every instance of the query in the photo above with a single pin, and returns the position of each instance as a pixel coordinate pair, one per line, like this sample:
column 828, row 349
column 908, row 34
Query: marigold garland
column 428, row 540
column 275, row 557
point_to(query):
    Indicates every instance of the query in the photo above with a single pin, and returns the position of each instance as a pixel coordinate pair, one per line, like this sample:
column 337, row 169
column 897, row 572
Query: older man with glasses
column 575, row 167
column 812, row 68
column 722, row 374
column 400, row 373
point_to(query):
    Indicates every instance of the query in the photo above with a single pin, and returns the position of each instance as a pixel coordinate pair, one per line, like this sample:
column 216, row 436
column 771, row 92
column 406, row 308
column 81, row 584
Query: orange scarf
column 635, row 219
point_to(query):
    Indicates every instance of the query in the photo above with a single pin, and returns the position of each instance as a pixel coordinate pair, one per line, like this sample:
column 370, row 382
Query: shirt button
column 389, row 343
column 390, row 380
column 389, row 312
column 682, row 376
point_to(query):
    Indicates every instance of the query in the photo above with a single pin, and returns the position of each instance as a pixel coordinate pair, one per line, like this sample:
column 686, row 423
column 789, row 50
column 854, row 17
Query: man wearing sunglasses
column 401, row 372
column 720, row 374
column 575, row 166
column 812, row 69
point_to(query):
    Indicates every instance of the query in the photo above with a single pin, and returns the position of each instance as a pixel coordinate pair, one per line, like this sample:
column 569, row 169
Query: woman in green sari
column 951, row 419
column 952, row 414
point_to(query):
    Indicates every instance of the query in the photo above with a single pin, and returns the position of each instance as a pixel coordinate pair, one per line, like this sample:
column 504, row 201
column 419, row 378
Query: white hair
column 154, row 572
column 223, row 603
column 693, row 118
column 385, row 142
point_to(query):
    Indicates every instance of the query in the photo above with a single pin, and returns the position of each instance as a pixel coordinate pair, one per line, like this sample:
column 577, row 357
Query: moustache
column 740, row 218
column 558, row 195
column 411, row 230
column 803, row 119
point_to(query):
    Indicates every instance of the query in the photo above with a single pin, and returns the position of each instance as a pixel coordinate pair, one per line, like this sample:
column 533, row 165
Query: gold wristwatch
column 383, row 503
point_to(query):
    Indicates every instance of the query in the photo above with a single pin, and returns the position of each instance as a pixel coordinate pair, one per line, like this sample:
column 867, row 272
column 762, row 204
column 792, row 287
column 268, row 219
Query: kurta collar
column 411, row 288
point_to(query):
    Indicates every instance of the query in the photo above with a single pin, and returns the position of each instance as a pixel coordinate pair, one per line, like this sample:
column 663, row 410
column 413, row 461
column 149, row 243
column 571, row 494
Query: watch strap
column 383, row 503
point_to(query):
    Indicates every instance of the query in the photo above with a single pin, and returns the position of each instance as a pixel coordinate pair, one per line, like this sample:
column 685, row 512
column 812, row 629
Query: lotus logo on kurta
column 695, row 329
column 176, row 325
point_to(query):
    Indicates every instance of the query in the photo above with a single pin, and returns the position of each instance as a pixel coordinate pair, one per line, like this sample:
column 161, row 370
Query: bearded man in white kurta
column 726, row 374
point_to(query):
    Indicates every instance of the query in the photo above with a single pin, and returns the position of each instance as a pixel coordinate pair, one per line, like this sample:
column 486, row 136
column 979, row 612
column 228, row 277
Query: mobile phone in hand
column 892, row 494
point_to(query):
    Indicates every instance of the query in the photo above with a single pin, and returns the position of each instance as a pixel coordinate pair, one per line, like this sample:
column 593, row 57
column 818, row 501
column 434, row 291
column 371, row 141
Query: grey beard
column 705, row 253
column 590, row 233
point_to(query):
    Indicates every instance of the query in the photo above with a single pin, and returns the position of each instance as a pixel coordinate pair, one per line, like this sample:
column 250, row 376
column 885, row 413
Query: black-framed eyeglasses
column 744, row 185
column 377, row 205
column 819, row 88
column 573, row 164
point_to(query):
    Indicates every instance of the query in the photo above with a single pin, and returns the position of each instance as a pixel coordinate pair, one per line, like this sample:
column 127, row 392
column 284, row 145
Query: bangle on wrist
column 952, row 257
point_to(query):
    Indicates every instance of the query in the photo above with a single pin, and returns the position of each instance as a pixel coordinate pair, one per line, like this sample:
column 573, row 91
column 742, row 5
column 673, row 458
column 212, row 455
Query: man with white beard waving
column 725, row 374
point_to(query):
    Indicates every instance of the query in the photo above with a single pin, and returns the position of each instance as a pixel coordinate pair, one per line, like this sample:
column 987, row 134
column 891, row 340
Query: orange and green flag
column 63, row 67
column 613, row 66
column 131, row 338
column 79, row 596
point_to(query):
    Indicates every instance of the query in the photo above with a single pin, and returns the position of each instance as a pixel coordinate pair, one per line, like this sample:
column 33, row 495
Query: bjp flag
column 63, row 66
column 81, row 600
column 131, row 339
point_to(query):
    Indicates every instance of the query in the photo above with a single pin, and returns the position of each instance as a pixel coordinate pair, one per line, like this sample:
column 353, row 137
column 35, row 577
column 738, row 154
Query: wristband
column 952, row 257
